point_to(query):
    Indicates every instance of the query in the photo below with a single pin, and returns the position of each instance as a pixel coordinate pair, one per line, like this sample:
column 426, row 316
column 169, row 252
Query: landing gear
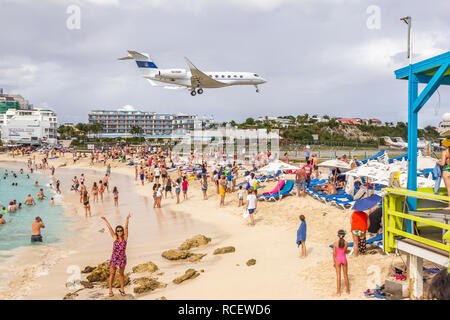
column 199, row 90
column 257, row 89
column 193, row 93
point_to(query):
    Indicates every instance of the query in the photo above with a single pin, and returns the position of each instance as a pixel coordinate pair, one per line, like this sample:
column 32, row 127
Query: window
column 255, row 75
column 241, row 76
column 229, row 76
column 223, row 76
column 217, row 76
column 235, row 76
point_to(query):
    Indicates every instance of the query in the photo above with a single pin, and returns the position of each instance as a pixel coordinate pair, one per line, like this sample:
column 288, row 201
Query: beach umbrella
column 335, row 164
column 275, row 166
column 367, row 203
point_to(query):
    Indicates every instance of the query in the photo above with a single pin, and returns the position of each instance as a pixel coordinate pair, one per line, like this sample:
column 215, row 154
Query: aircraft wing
column 199, row 79
column 154, row 84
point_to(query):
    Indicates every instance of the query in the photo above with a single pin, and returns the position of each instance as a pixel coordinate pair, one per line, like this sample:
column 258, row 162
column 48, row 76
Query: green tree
column 136, row 130
column 250, row 121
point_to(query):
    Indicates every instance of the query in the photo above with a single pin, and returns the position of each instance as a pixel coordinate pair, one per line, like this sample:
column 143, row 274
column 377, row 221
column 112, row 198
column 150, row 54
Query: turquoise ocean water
column 17, row 232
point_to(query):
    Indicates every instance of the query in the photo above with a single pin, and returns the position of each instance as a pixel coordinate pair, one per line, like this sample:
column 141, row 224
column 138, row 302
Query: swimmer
column 29, row 200
column 41, row 195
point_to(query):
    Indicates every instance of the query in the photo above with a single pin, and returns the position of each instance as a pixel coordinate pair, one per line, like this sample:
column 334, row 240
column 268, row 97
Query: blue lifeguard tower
column 406, row 211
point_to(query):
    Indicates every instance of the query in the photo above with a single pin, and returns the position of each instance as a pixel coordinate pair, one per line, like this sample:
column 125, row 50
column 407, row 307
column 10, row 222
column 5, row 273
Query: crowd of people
column 171, row 178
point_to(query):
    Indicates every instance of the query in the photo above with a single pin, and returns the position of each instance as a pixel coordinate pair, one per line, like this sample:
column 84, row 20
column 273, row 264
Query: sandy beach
column 279, row 273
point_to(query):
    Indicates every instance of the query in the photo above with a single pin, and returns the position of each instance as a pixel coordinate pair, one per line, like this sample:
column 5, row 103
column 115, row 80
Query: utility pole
column 408, row 21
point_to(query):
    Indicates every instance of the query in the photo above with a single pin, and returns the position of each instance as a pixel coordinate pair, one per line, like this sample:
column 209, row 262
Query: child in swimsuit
column 339, row 258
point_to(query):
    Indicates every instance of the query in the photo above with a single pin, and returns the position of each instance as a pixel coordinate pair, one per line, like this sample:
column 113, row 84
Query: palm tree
column 136, row 130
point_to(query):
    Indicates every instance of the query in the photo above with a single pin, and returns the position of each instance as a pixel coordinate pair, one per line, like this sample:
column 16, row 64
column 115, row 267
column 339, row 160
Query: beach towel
column 56, row 157
column 378, row 237
column 301, row 233
column 437, row 172
column 277, row 188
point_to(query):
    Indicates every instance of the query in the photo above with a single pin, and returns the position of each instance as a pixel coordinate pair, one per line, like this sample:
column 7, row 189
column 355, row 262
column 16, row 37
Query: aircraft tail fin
column 144, row 62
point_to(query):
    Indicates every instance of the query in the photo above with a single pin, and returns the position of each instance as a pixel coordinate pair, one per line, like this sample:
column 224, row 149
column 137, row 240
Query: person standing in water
column 36, row 230
column 118, row 257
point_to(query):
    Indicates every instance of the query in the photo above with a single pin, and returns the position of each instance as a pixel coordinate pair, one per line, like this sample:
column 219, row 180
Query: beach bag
column 245, row 214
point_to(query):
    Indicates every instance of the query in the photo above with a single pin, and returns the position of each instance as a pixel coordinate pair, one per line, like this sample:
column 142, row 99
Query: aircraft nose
column 263, row 80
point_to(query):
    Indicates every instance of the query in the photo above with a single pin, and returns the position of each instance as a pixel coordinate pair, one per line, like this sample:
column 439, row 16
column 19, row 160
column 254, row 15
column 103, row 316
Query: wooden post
column 415, row 274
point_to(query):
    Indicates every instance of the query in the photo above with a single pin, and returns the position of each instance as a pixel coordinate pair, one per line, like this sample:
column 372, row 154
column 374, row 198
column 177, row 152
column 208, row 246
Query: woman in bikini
column 102, row 189
column 95, row 192
column 87, row 206
column 339, row 259
column 118, row 257
column 445, row 163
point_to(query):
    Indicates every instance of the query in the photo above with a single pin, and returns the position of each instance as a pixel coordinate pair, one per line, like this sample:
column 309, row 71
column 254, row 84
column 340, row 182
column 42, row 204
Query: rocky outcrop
column 87, row 284
column 251, row 262
column 194, row 242
column 145, row 267
column 120, row 297
column 175, row 254
column 147, row 285
column 224, row 250
column 70, row 296
column 100, row 273
column 161, row 298
column 195, row 257
column 88, row 269
column 116, row 282
column 189, row 274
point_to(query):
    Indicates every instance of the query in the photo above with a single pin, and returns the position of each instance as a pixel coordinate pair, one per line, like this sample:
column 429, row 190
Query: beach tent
column 275, row 166
column 335, row 164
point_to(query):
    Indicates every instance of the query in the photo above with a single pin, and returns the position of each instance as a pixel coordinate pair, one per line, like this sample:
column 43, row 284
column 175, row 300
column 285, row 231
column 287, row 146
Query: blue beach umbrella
column 367, row 203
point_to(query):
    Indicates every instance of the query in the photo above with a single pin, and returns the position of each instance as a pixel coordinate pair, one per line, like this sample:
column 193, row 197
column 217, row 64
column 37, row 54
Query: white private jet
column 393, row 144
column 401, row 143
column 193, row 79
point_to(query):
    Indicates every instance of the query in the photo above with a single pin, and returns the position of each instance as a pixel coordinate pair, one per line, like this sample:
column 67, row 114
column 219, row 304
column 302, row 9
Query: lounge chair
column 285, row 190
column 377, row 240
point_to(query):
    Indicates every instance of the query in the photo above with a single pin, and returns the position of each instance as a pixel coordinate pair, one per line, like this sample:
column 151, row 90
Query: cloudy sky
column 319, row 56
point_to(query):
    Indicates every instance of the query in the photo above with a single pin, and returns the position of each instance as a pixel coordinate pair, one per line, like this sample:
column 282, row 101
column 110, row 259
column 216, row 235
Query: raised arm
column 111, row 232
column 125, row 236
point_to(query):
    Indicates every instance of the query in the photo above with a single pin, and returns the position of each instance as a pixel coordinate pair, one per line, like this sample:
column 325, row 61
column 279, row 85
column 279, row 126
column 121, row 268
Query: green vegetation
column 302, row 128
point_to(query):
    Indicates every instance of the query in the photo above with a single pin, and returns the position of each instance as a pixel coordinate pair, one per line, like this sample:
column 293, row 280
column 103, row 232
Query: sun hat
column 446, row 142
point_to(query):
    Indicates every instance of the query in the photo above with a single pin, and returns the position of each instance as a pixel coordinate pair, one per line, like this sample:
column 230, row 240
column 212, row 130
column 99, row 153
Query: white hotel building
column 35, row 126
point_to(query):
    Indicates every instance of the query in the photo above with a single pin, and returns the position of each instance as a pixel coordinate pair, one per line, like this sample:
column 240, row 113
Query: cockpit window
column 255, row 75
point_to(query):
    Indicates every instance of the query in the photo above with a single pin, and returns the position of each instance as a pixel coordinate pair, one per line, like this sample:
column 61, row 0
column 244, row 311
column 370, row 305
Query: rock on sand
column 147, row 284
column 145, row 267
column 194, row 242
column 189, row 274
column 224, row 250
